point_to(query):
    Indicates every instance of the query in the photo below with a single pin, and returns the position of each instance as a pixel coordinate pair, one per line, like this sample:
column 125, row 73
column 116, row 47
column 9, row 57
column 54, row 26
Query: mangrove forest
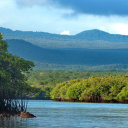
column 109, row 88
column 13, row 82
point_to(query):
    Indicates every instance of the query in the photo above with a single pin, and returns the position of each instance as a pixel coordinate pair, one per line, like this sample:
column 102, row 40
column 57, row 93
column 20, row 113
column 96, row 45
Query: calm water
column 52, row 114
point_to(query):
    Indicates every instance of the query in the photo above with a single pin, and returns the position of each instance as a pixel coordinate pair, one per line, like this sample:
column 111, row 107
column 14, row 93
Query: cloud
column 30, row 3
column 121, row 28
column 65, row 33
column 96, row 7
column 42, row 15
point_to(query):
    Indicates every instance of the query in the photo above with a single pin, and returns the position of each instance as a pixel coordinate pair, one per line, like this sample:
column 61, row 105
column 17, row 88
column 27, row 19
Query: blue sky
column 65, row 16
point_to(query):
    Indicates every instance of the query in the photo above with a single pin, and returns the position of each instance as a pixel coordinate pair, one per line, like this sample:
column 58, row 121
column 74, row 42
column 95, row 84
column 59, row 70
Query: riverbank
column 92, row 101
column 9, row 114
column 18, row 114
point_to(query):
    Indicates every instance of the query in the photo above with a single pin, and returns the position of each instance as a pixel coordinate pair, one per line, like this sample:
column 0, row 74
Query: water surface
column 52, row 114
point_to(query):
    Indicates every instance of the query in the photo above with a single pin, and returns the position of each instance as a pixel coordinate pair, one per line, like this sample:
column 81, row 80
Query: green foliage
column 75, row 90
column 61, row 89
column 44, row 79
column 13, row 82
column 51, row 78
column 93, row 89
column 123, row 95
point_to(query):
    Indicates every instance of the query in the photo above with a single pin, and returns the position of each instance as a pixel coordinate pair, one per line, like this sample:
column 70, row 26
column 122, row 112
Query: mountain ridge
column 85, row 31
column 90, row 39
column 59, row 52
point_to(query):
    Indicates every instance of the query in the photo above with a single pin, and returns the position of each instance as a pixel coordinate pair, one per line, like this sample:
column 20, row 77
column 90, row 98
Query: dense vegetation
column 70, row 59
column 13, row 83
column 93, row 89
column 47, row 80
column 60, row 67
column 92, row 50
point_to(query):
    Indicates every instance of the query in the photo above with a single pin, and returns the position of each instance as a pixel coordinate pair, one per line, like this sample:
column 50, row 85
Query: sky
column 65, row 16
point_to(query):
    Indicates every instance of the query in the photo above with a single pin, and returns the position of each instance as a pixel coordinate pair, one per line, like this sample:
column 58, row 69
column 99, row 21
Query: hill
column 95, row 34
column 88, row 50
column 69, row 59
column 91, row 39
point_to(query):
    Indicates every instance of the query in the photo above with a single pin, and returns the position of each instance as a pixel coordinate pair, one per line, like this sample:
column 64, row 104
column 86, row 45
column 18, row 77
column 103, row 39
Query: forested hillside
column 88, row 50
column 91, row 39
column 70, row 59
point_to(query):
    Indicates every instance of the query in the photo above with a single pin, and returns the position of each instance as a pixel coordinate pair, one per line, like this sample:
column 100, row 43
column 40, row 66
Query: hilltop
column 91, row 39
column 88, row 50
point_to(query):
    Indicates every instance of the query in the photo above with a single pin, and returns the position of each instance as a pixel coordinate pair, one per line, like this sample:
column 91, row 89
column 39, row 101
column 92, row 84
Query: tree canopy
column 12, row 79
column 94, row 89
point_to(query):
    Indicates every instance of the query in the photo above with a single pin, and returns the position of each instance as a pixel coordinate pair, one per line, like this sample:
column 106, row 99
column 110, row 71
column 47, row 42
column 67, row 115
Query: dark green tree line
column 13, row 85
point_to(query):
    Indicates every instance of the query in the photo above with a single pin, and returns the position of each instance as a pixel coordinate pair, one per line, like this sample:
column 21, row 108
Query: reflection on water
column 13, row 122
column 52, row 114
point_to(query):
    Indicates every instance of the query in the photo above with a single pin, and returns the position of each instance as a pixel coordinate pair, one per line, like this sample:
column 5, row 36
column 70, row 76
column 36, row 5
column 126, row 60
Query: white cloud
column 121, row 28
column 65, row 33
column 54, row 20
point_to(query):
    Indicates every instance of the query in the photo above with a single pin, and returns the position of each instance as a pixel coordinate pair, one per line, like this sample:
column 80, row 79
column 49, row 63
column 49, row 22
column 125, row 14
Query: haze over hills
column 91, row 39
column 65, row 56
column 70, row 59
column 88, row 50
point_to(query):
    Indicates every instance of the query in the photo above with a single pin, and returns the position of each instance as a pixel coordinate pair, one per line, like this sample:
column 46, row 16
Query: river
column 52, row 114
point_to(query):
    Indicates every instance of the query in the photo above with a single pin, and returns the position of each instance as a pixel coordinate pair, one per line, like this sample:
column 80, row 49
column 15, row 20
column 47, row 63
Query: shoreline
column 90, row 101
column 9, row 114
column 17, row 114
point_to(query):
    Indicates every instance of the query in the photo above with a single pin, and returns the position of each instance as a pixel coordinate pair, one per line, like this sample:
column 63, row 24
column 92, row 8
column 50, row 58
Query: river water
column 52, row 114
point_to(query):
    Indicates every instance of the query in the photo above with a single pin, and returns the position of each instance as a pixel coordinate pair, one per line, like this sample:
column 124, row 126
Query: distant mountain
column 32, row 52
column 95, row 34
column 74, row 59
column 88, row 50
column 91, row 39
